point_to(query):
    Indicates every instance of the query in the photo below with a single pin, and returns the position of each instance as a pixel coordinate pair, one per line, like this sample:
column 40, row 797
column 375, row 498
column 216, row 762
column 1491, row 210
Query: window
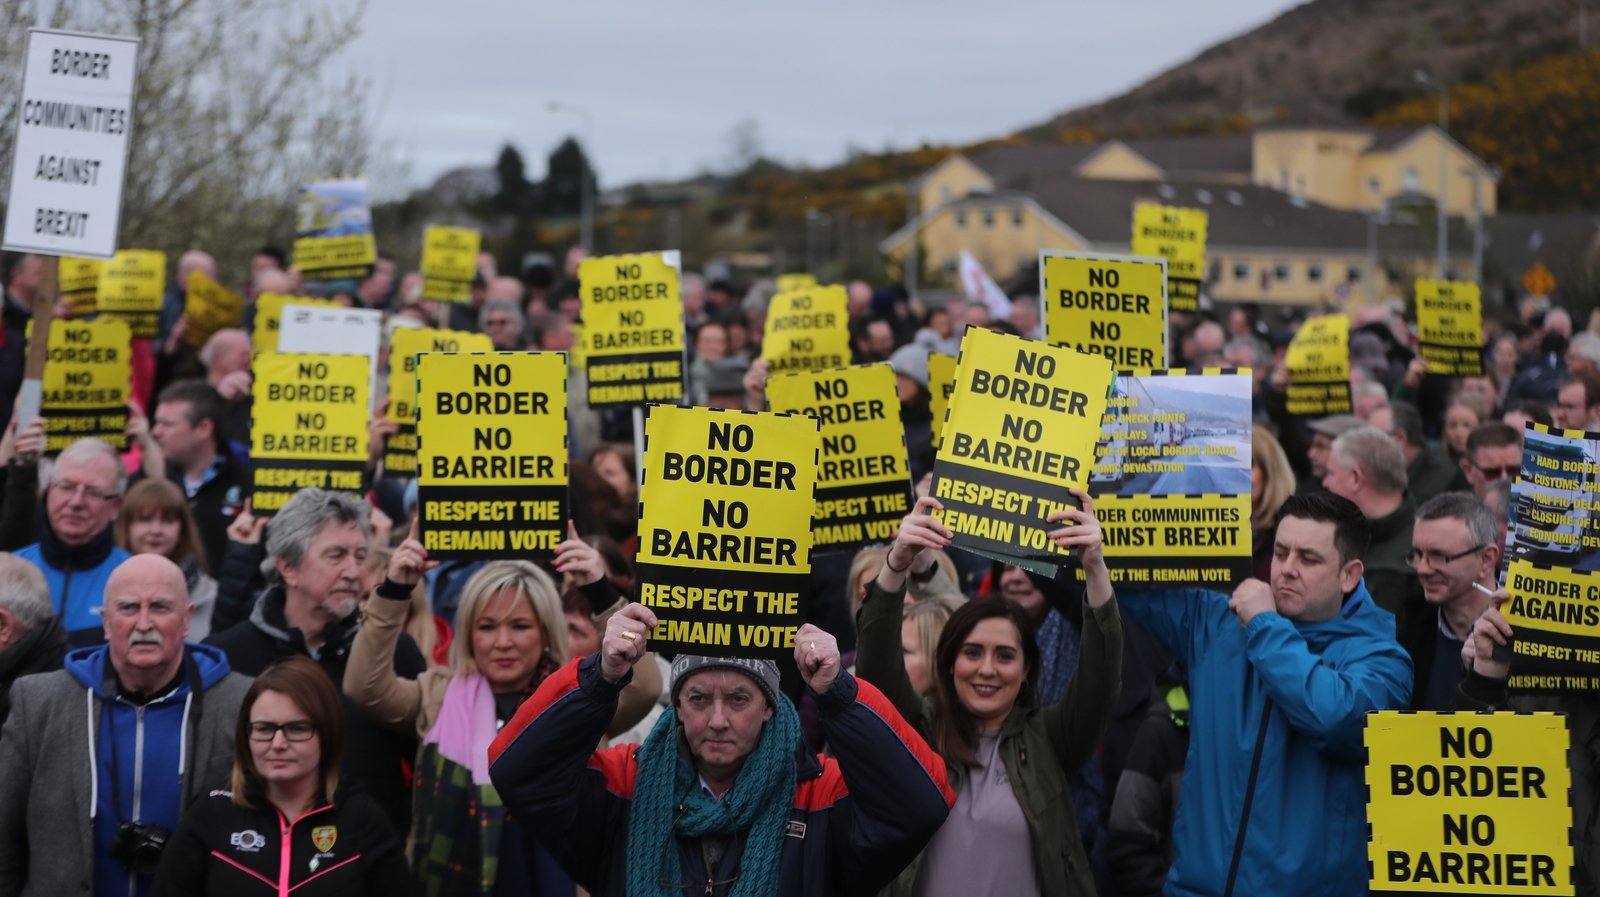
column 1411, row 180
column 1314, row 272
column 944, row 194
column 1281, row 271
column 988, row 217
column 1016, row 217
column 961, row 217
column 1374, row 185
column 1353, row 274
column 1241, row 270
column 1283, row 179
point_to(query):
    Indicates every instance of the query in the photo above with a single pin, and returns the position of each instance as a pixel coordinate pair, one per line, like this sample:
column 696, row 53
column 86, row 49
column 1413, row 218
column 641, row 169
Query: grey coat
column 46, row 780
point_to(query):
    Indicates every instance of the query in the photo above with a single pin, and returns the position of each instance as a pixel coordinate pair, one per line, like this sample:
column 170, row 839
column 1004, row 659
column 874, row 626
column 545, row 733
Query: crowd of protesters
column 198, row 700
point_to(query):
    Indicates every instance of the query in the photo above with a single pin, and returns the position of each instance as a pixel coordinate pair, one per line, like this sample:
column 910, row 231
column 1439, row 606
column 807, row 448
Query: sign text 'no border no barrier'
column 632, row 329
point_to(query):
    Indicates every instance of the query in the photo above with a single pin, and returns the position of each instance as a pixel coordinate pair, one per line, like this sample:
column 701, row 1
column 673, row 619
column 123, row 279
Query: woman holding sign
column 1012, row 830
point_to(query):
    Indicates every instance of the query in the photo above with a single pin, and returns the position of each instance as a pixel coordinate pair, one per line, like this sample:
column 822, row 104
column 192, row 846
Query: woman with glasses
column 286, row 825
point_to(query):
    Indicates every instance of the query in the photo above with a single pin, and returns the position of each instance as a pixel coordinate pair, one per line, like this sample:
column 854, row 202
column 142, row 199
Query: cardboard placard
column 400, row 450
column 863, row 482
column 807, row 330
column 725, row 529
column 1111, row 305
column 449, row 263
column 1319, row 367
column 1450, row 327
column 333, row 230
column 78, row 280
column 210, row 307
column 86, row 378
column 492, row 454
column 633, row 329
column 308, row 426
column 1177, row 235
column 941, row 383
column 133, row 286
column 269, row 317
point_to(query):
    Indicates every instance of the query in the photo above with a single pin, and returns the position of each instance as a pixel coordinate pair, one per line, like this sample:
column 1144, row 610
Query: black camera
column 138, row 846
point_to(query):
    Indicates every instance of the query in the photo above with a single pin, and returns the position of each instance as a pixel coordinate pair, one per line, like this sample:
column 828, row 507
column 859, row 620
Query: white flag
column 979, row 287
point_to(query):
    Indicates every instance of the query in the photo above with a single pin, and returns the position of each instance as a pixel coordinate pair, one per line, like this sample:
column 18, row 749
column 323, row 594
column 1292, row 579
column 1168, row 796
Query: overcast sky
column 665, row 83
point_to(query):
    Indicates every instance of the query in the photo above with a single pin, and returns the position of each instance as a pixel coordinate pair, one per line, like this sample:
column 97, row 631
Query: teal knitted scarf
column 758, row 804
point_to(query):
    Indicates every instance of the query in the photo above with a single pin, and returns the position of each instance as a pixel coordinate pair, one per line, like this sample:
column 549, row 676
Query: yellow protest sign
column 492, row 454
column 725, row 529
column 78, row 280
column 788, row 283
column 210, row 307
column 807, row 330
column 1109, row 305
column 449, row 263
column 1171, row 480
column 1469, row 803
column 333, row 230
column 86, row 375
column 1177, row 235
column 1450, row 327
column 632, row 329
column 941, row 383
column 1019, row 433
column 1319, row 367
column 132, row 287
column 269, row 318
column 864, row 482
column 308, row 426
column 400, row 449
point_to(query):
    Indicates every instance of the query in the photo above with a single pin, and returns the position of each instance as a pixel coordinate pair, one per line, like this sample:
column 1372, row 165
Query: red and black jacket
column 342, row 849
column 856, row 821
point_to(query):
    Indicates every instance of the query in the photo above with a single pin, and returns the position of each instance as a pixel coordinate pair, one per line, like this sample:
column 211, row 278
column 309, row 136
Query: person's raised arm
column 1077, row 721
column 369, row 678
column 879, row 652
column 19, row 453
column 1483, row 685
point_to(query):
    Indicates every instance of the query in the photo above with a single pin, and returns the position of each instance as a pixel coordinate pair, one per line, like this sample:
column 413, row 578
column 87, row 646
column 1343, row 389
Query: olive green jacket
column 1041, row 747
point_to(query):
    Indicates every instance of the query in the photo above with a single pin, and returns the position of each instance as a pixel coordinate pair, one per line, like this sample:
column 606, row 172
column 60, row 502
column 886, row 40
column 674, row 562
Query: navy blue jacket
column 843, row 838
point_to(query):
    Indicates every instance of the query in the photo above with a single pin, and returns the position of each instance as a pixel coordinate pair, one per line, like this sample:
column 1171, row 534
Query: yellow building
column 1315, row 240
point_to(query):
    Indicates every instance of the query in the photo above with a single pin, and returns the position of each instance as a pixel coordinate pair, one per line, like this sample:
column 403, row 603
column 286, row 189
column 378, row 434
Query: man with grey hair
column 1365, row 465
column 1026, row 318
column 101, row 758
column 1583, row 355
column 1454, row 552
column 31, row 637
column 1429, row 471
column 76, row 550
column 1367, row 397
column 501, row 320
column 316, row 548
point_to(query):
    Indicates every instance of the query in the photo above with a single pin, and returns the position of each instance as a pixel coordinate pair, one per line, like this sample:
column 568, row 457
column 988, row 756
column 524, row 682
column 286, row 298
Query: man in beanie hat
column 721, row 795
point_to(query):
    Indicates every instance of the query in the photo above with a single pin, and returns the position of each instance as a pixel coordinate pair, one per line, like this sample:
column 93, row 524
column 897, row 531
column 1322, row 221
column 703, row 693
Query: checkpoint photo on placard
column 1469, row 803
column 864, row 482
column 308, row 426
column 1450, row 327
column 1110, row 305
column 724, row 556
column 491, row 454
column 1172, row 478
column 333, row 230
column 1020, row 433
column 632, row 340
column 86, row 377
column 400, row 449
column 808, row 330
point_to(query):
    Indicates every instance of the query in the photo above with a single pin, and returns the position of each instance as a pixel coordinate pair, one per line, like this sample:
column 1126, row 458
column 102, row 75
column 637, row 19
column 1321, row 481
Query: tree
column 233, row 111
column 563, row 183
column 516, row 193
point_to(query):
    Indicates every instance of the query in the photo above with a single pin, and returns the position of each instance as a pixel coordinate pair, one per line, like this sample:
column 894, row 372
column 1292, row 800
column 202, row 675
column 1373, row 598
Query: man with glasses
column 1494, row 452
column 1366, row 466
column 101, row 758
column 1454, row 553
column 76, row 550
column 501, row 320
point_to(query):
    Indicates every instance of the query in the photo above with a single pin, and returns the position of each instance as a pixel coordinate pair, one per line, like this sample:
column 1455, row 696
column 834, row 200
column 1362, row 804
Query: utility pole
column 1444, row 167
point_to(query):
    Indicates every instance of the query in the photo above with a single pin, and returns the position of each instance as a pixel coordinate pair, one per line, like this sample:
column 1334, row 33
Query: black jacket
column 38, row 651
column 13, row 354
column 341, row 849
column 374, row 757
column 214, row 505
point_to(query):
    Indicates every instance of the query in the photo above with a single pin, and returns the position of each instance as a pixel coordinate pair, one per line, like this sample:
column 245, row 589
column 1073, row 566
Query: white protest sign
column 315, row 330
column 71, row 150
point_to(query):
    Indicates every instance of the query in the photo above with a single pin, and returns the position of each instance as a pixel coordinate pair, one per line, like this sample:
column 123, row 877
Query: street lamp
column 1424, row 79
column 586, row 194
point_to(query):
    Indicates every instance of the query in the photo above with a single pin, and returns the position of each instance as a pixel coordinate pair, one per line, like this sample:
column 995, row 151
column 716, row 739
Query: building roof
column 1015, row 166
column 1217, row 154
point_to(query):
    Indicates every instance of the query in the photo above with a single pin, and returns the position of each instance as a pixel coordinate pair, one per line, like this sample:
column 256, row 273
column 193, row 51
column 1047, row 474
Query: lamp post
column 585, row 177
column 1426, row 80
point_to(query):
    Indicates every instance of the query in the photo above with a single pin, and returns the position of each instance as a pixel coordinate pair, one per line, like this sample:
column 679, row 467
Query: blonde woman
column 1271, row 483
column 513, row 635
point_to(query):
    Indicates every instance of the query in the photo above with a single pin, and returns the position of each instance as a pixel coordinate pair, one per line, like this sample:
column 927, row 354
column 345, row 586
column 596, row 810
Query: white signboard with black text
column 73, row 126
column 318, row 330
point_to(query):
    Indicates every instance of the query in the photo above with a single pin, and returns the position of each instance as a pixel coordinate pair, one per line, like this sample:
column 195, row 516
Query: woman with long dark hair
column 1009, row 760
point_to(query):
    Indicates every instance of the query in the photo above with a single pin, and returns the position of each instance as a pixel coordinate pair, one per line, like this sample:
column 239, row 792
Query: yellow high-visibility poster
column 308, row 426
column 86, row 377
column 400, row 450
column 333, row 230
column 269, row 318
column 725, row 529
column 1450, row 327
column 78, row 280
column 132, row 287
column 210, row 307
column 449, row 263
column 1020, row 432
column 1469, row 803
column 1177, row 235
column 1319, row 367
column 632, row 329
column 941, row 383
column 492, row 454
column 1109, row 305
column 788, row 283
column 864, row 482
column 807, row 330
